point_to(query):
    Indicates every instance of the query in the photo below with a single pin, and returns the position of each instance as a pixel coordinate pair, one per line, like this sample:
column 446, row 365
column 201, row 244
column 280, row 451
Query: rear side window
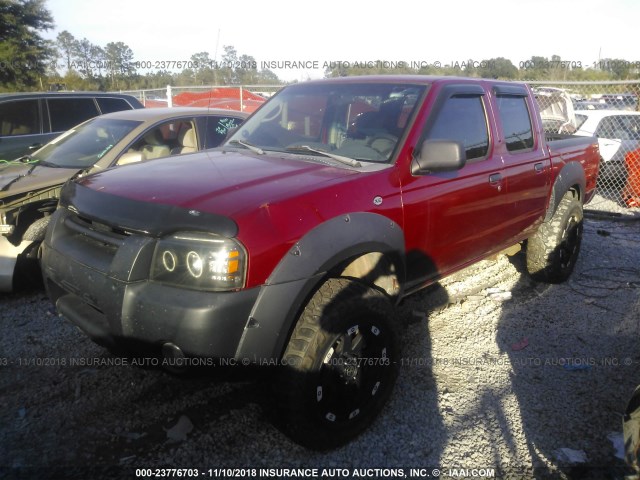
column 619, row 127
column 19, row 117
column 66, row 113
column 217, row 129
column 463, row 119
column 516, row 122
column 108, row 105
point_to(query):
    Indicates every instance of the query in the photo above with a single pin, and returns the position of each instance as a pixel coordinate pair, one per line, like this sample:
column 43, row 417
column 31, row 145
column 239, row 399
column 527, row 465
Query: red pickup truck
column 291, row 243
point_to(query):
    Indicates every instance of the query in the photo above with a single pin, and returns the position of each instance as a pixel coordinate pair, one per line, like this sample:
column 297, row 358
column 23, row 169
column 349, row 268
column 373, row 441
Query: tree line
column 537, row 68
column 114, row 67
column 29, row 62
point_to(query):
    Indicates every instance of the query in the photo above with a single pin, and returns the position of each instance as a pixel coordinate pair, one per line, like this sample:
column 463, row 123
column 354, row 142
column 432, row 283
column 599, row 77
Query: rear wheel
column 339, row 367
column 553, row 251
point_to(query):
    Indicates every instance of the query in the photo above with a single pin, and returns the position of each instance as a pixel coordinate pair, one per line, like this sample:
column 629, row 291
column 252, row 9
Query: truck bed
column 568, row 148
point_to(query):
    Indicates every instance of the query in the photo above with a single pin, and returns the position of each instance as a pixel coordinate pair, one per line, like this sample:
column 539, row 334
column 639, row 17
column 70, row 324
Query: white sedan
column 29, row 187
column 618, row 131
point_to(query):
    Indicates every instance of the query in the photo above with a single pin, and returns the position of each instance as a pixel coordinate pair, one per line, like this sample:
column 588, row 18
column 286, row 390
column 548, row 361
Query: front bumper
column 105, row 291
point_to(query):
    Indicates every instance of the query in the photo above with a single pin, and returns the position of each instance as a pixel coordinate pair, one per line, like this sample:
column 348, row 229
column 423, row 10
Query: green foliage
column 114, row 68
column 24, row 53
column 66, row 46
column 499, row 68
column 29, row 62
column 119, row 64
column 202, row 71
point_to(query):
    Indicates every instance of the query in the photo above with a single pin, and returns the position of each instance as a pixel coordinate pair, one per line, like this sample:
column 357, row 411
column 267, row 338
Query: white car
column 30, row 186
column 618, row 133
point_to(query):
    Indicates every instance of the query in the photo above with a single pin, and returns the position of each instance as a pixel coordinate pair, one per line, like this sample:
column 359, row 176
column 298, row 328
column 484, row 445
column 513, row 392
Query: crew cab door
column 527, row 165
column 455, row 217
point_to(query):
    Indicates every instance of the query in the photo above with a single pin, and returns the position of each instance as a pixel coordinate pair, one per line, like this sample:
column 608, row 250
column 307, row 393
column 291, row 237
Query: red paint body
column 453, row 218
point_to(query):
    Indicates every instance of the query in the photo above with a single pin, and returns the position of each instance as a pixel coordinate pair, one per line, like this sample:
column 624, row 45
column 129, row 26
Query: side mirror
column 438, row 156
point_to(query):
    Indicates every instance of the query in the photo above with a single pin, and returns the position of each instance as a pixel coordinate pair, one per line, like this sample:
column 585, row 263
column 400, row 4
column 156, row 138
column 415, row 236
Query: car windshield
column 344, row 122
column 84, row 145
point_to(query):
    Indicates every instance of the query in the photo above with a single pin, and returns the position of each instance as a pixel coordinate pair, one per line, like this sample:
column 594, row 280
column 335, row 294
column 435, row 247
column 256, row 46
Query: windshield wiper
column 340, row 158
column 44, row 163
column 16, row 179
column 253, row 148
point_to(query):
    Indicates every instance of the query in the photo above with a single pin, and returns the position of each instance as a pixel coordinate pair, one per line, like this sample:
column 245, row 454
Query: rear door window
column 19, row 117
column 108, row 105
column 516, row 122
column 217, row 127
column 66, row 113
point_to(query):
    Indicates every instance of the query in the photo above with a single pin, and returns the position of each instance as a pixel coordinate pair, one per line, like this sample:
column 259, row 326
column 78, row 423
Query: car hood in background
column 25, row 178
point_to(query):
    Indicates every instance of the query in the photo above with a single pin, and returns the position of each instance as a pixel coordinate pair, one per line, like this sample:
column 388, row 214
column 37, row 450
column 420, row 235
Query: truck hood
column 217, row 182
column 22, row 179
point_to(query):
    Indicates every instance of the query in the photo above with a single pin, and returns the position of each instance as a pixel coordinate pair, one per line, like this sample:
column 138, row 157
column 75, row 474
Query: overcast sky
column 350, row 31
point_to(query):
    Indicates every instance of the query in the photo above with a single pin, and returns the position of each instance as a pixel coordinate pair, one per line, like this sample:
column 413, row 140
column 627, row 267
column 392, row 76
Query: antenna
column 215, row 59
column 215, row 80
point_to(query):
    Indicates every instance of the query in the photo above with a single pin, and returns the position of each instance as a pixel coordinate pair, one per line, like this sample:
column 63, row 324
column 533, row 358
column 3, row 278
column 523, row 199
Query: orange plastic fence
column 631, row 191
column 226, row 98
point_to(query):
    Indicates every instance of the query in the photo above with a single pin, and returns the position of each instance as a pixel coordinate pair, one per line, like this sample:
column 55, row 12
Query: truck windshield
column 360, row 121
column 84, row 145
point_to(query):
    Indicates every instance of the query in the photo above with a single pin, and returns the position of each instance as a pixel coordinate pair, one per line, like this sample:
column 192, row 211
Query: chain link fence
column 610, row 112
column 245, row 98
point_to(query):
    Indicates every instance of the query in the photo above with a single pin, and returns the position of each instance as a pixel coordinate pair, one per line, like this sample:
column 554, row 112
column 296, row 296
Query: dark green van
column 30, row 120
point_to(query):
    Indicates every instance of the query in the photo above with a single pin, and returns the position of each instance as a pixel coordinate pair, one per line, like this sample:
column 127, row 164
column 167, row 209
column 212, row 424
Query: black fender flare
column 570, row 175
column 302, row 270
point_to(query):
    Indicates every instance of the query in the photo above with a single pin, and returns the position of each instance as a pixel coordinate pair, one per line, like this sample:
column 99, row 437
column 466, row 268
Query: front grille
column 100, row 233
column 112, row 251
column 90, row 243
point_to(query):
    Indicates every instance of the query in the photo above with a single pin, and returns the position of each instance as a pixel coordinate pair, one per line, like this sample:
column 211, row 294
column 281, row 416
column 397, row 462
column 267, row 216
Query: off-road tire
column 340, row 365
column 553, row 251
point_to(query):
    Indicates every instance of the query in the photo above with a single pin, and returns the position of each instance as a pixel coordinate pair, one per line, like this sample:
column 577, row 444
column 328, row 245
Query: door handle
column 538, row 167
column 495, row 178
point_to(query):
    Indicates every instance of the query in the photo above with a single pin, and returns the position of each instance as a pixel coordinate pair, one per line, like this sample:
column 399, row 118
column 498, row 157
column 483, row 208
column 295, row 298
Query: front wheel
column 340, row 365
column 552, row 252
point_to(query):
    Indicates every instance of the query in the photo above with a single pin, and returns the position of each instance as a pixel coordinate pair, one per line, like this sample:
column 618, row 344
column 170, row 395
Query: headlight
column 199, row 260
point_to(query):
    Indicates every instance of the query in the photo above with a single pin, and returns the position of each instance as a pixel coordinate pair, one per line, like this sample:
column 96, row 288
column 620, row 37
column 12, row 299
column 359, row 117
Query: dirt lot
column 498, row 373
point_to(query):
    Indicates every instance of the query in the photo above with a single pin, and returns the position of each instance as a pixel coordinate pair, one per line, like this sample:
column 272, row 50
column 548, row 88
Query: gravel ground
column 498, row 372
